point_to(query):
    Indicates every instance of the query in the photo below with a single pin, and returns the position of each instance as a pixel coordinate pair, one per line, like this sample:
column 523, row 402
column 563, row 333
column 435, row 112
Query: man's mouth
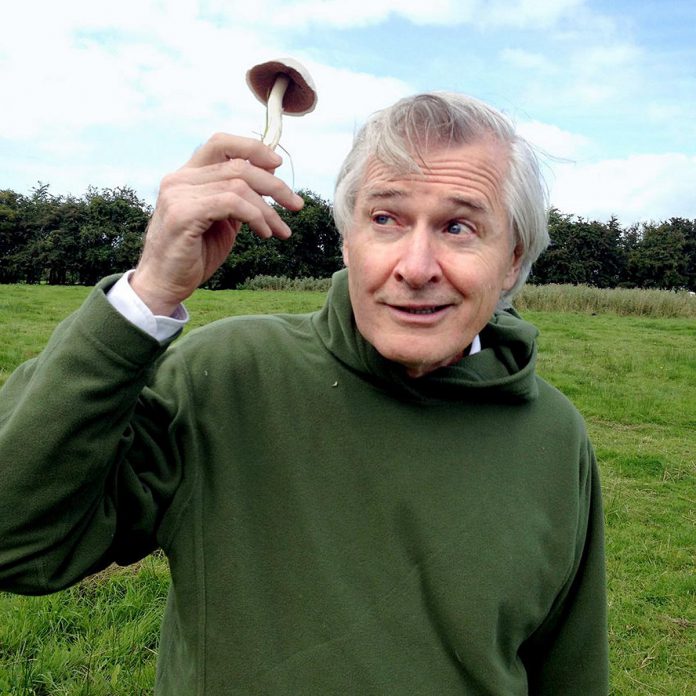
column 419, row 310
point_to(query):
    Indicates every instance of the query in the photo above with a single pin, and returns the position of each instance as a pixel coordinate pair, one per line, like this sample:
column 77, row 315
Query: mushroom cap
column 301, row 95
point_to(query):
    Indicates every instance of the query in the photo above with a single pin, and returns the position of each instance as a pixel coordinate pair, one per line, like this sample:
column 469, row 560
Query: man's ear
column 344, row 247
column 515, row 266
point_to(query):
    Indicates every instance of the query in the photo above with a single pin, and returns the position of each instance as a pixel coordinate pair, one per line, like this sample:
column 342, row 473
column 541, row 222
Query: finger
column 261, row 219
column 223, row 146
column 234, row 201
column 226, row 173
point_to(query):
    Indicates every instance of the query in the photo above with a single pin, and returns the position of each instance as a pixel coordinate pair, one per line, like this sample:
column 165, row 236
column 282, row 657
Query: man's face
column 429, row 254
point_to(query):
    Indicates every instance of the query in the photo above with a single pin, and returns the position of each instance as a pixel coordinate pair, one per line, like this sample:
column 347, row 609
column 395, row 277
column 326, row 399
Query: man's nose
column 418, row 264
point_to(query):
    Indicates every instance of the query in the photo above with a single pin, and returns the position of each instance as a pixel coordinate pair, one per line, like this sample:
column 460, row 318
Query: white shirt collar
column 475, row 345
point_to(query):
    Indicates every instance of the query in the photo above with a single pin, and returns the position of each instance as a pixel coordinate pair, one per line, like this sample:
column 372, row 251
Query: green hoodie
column 332, row 526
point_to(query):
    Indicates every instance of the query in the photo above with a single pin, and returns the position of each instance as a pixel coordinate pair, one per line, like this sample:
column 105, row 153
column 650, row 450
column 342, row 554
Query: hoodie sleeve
column 568, row 654
column 76, row 493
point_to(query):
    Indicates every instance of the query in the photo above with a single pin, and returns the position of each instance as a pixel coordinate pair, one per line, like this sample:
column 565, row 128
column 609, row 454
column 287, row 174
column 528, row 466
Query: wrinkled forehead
column 417, row 161
column 479, row 167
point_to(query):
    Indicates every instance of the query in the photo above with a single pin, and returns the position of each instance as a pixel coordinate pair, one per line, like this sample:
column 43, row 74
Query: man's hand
column 199, row 211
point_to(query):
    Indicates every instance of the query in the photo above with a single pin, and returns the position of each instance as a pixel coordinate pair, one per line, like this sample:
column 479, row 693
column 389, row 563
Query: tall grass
column 97, row 638
column 624, row 302
column 548, row 298
column 266, row 282
column 634, row 379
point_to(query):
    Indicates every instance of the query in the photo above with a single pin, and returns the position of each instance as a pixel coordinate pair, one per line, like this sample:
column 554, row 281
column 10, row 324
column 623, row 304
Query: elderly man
column 378, row 498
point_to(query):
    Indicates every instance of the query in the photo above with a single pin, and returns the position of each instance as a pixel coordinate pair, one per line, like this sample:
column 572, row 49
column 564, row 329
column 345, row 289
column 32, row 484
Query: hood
column 502, row 372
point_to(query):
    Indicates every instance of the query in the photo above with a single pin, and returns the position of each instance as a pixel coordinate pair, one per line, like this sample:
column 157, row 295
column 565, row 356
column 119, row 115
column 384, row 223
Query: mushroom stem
column 274, row 112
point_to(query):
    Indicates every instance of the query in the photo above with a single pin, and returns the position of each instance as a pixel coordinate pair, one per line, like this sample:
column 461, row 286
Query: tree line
column 45, row 238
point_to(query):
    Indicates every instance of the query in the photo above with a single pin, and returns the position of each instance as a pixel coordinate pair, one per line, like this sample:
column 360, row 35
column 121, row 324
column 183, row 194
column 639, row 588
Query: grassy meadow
column 631, row 372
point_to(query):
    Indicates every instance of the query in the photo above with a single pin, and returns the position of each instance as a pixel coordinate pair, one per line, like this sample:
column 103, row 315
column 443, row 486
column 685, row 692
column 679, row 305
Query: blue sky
column 110, row 94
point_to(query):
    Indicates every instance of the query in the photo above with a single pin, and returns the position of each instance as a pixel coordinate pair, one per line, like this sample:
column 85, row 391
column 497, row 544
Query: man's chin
column 419, row 364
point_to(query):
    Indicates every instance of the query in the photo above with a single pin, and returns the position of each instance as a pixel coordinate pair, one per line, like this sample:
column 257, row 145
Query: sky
column 111, row 94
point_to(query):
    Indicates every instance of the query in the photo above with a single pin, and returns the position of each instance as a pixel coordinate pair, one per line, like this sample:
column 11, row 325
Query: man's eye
column 381, row 219
column 458, row 228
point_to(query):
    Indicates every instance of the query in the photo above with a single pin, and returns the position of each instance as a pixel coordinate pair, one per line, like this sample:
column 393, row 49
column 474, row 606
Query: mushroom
column 284, row 86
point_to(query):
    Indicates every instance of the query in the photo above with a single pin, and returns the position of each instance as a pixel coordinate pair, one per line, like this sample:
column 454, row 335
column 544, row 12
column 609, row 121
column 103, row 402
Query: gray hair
column 397, row 135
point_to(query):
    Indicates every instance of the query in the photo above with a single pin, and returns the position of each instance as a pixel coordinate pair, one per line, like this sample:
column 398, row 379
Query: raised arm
column 88, row 467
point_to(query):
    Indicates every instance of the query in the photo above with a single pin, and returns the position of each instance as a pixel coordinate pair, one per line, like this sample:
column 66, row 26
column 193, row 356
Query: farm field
column 633, row 378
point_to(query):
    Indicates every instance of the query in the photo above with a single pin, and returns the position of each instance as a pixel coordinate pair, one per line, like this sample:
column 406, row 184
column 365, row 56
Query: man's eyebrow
column 377, row 194
column 468, row 203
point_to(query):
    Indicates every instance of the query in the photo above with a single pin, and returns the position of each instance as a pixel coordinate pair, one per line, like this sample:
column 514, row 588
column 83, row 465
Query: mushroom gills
column 284, row 86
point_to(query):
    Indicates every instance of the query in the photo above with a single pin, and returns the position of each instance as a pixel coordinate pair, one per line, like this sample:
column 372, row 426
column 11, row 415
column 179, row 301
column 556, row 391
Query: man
column 378, row 498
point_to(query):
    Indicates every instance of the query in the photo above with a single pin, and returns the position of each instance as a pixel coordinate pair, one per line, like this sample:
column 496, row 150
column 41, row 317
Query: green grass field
column 634, row 379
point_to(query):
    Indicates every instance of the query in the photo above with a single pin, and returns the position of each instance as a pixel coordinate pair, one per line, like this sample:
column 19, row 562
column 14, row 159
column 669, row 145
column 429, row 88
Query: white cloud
column 190, row 78
column 584, row 76
column 528, row 60
column 554, row 142
column 600, row 73
column 139, row 63
column 635, row 188
column 73, row 177
column 596, row 60
column 157, row 89
column 338, row 13
column 346, row 96
column 297, row 14
column 526, row 13
column 294, row 14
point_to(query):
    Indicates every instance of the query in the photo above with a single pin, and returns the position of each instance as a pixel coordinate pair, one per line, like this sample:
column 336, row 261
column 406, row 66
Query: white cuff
column 125, row 301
